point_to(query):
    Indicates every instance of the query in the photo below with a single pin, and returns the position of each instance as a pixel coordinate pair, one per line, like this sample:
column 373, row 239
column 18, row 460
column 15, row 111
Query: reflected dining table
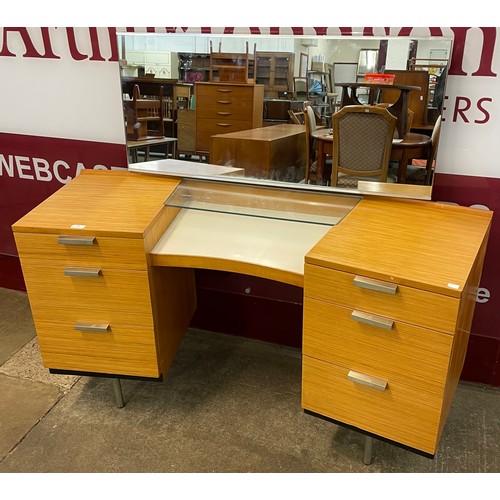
column 411, row 146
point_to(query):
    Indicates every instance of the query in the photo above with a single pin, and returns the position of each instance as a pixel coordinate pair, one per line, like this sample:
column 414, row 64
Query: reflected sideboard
column 389, row 295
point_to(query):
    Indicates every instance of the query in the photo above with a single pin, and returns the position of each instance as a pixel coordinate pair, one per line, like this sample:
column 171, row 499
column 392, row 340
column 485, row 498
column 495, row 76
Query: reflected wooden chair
column 296, row 117
column 311, row 163
column 418, row 174
column 312, row 121
column 144, row 116
column 409, row 120
column 362, row 142
column 431, row 159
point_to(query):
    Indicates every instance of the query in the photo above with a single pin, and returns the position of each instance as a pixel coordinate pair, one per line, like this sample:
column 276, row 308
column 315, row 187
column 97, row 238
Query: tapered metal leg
column 117, row 389
column 368, row 453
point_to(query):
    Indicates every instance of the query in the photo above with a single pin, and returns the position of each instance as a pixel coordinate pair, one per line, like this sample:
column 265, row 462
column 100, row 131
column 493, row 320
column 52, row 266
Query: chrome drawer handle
column 371, row 319
column 368, row 380
column 376, row 285
column 84, row 272
column 76, row 240
column 92, row 327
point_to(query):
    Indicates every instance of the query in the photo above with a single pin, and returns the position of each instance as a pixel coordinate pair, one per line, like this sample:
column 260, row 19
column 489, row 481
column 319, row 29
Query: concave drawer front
column 388, row 349
column 125, row 350
column 398, row 413
column 86, row 250
column 407, row 304
column 111, row 296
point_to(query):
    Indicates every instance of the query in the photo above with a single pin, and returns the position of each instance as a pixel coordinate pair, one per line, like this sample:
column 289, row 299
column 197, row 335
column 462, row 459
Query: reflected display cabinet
column 274, row 70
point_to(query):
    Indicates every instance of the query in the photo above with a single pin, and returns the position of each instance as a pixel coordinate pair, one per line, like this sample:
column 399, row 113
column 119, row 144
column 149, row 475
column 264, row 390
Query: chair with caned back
column 362, row 142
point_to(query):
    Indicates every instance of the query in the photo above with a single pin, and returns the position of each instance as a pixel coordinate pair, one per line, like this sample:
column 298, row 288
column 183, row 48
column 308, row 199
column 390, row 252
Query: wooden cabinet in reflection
column 226, row 107
column 418, row 99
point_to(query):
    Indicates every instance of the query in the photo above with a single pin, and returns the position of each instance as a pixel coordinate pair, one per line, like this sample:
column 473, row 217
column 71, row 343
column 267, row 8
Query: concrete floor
column 228, row 405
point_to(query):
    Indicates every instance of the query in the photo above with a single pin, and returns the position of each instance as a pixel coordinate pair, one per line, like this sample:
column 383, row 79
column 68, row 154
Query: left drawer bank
column 98, row 305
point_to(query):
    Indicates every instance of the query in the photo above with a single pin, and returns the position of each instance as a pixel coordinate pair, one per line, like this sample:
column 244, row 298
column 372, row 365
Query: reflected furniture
column 111, row 286
column 311, row 125
column 186, row 131
column 144, row 116
column 193, row 67
column 399, row 108
column 274, row 70
column 296, row 117
column 412, row 146
column 417, row 99
column 134, row 147
column 362, row 142
column 274, row 152
column 232, row 67
column 226, row 107
column 403, row 150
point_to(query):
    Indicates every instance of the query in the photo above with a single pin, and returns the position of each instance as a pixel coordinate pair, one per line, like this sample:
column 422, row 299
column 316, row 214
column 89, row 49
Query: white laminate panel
column 276, row 244
column 182, row 168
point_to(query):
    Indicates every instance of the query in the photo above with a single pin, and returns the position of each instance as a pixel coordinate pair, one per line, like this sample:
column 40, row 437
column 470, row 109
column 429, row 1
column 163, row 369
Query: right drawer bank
column 389, row 296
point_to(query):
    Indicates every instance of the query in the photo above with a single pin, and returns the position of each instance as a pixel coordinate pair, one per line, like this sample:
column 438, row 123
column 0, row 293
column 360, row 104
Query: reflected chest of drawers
column 388, row 302
column 222, row 108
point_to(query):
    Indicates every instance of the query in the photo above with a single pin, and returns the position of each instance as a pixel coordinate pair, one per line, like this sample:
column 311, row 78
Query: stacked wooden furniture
column 231, row 66
column 144, row 116
column 389, row 298
column 226, row 107
column 93, row 293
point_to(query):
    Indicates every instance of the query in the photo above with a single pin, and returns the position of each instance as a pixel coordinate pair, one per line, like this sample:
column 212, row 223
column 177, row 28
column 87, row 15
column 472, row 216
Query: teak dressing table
column 389, row 287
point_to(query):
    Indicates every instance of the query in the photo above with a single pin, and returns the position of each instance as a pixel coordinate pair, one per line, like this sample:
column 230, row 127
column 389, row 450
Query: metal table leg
column 368, row 452
column 117, row 389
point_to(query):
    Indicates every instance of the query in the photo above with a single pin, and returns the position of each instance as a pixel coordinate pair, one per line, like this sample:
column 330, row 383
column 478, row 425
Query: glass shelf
column 263, row 201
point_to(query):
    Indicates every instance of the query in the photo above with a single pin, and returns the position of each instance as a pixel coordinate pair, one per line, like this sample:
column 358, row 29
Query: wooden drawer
column 409, row 354
column 398, row 413
column 104, row 251
column 115, row 296
column 408, row 304
column 124, row 350
column 242, row 111
column 211, row 93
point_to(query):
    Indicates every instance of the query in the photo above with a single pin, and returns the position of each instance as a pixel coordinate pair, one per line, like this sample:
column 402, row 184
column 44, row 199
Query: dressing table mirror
column 260, row 141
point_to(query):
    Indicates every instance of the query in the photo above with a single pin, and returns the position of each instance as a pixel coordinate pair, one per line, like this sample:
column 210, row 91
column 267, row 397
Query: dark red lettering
column 94, row 40
column 28, row 44
column 487, row 49
column 461, row 111
column 484, row 111
column 113, row 41
column 73, row 49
